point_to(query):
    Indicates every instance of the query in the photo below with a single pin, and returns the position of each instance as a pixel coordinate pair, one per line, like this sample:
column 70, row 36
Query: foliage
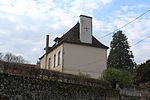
column 84, row 75
column 120, row 56
column 117, row 76
column 9, row 57
column 143, row 72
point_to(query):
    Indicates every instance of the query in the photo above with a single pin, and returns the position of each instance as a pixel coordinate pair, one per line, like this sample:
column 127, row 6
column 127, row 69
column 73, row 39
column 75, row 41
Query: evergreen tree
column 120, row 55
column 143, row 72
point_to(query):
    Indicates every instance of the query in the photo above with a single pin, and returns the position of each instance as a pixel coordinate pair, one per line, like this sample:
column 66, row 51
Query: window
column 54, row 60
column 49, row 63
column 58, row 58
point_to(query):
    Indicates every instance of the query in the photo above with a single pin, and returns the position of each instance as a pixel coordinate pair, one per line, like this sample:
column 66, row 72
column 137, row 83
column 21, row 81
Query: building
column 76, row 51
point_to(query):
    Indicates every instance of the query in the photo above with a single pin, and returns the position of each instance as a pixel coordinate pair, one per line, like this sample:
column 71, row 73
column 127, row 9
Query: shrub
column 117, row 76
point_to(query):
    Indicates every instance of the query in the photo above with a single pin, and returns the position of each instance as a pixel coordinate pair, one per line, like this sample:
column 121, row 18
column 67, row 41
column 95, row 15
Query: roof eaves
column 41, row 57
column 99, row 43
column 85, row 44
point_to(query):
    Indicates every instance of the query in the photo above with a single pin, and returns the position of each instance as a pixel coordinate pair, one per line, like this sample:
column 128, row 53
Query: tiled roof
column 73, row 36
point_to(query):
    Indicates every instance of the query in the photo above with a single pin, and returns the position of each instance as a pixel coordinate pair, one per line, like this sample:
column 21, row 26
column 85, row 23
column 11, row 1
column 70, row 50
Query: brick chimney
column 47, row 43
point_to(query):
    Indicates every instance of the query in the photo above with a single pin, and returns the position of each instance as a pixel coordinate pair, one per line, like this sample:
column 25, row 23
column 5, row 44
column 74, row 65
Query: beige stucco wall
column 79, row 58
column 51, row 56
column 42, row 63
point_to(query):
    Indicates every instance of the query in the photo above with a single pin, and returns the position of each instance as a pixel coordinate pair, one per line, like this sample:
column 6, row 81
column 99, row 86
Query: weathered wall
column 42, row 62
column 51, row 56
column 90, row 60
column 134, row 93
column 28, row 82
column 26, row 88
column 77, row 58
column 21, row 82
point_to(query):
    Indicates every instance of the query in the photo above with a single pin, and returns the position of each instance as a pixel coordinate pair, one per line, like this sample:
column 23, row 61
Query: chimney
column 86, row 29
column 47, row 43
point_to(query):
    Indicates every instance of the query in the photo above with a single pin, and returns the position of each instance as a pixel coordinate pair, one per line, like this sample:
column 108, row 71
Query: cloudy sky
column 24, row 23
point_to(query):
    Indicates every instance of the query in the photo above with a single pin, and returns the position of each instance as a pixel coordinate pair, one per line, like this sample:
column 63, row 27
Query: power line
column 88, row 71
column 115, row 31
column 141, row 41
column 126, row 24
column 83, row 65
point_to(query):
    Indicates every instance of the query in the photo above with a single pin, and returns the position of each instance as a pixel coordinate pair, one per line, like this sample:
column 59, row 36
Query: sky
column 24, row 24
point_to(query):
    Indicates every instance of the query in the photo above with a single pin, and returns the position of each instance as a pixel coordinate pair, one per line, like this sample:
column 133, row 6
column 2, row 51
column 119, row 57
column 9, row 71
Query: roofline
column 86, row 44
column 85, row 16
column 50, row 50
column 41, row 57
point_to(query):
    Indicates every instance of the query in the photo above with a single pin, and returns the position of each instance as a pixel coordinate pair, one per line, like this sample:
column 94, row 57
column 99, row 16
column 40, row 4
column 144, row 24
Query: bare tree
column 1, row 55
column 20, row 59
column 9, row 57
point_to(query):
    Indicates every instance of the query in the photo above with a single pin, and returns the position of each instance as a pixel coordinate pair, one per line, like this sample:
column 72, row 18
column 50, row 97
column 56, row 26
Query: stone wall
column 20, row 82
column 13, row 87
column 134, row 93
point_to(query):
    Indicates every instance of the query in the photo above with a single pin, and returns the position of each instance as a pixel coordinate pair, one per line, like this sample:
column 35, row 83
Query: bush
column 84, row 75
column 117, row 76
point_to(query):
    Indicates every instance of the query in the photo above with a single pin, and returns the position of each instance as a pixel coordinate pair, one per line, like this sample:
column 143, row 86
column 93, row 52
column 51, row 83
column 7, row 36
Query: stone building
column 76, row 51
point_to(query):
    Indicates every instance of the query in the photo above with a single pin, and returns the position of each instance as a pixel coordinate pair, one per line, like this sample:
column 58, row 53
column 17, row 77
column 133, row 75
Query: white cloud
column 142, row 51
column 61, row 16
column 30, row 20
column 124, row 8
column 135, row 31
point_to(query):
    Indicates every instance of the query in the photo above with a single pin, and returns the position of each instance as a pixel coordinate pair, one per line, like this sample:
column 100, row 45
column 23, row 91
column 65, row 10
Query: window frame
column 59, row 54
column 49, row 63
column 54, row 60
